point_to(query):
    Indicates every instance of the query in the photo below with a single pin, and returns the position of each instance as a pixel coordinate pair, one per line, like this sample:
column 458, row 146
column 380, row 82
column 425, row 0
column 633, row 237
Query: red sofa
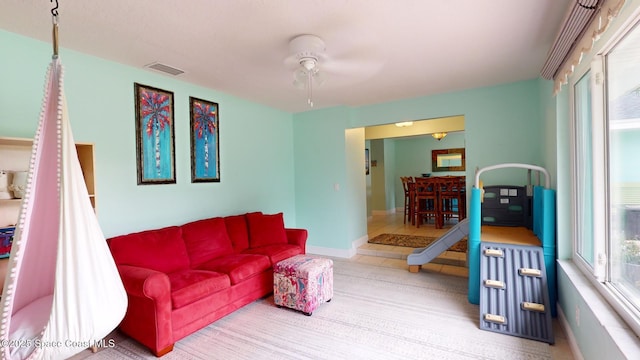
column 179, row 279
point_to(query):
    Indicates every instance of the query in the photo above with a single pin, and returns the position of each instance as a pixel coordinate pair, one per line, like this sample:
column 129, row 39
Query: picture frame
column 155, row 135
column 205, row 140
column 448, row 160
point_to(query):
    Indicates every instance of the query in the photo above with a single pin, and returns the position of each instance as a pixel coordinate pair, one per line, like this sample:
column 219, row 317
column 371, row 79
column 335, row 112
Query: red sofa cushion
column 161, row 249
column 189, row 286
column 206, row 239
column 237, row 231
column 238, row 266
column 277, row 252
column 266, row 229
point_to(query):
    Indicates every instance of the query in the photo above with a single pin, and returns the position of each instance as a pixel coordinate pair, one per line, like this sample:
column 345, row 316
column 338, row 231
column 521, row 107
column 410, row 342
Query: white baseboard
column 573, row 345
column 340, row 253
column 355, row 244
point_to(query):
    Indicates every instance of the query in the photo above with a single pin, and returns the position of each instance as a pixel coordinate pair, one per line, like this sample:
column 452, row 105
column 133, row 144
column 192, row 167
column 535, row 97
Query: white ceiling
column 378, row 50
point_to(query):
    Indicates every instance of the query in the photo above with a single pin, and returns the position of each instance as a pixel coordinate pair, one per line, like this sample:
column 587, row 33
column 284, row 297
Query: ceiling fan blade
column 353, row 68
column 344, row 64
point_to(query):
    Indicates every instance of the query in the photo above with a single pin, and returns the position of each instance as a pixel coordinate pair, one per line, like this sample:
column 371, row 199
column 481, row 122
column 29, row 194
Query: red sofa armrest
column 298, row 237
column 145, row 282
column 148, row 317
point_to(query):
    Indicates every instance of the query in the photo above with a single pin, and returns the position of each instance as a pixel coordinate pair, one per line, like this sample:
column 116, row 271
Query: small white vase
column 19, row 184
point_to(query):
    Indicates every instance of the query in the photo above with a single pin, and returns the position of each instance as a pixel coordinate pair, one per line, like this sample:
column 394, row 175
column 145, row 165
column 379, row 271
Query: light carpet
column 376, row 313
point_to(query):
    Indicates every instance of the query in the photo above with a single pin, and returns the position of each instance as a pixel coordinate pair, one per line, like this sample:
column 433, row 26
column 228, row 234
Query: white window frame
column 599, row 155
column 599, row 274
column 575, row 176
column 598, row 270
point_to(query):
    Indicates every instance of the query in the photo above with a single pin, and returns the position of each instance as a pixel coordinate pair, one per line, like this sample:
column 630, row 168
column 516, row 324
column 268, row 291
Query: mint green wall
column 356, row 181
column 389, row 174
column 383, row 196
column 320, row 164
column 256, row 143
column 594, row 342
column 502, row 124
column 378, row 176
column 549, row 128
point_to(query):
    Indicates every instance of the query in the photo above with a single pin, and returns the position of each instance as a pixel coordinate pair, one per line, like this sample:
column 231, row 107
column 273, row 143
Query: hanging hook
column 54, row 14
column 55, row 40
column 54, row 11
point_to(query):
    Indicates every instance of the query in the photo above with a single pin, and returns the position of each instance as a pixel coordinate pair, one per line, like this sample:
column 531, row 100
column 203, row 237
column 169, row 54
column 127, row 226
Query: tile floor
column 451, row 263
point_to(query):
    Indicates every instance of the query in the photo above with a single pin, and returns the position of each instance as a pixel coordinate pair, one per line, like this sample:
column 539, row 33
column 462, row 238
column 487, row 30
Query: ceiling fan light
column 300, row 76
column 299, row 84
column 318, row 76
column 308, row 63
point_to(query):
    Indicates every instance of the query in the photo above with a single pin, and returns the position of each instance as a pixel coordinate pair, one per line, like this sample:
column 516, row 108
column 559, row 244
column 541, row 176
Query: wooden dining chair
column 407, row 186
column 462, row 197
column 426, row 201
column 449, row 198
column 453, row 198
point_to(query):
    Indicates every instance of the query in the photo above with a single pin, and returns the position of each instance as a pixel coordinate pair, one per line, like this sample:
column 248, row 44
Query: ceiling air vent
column 165, row 68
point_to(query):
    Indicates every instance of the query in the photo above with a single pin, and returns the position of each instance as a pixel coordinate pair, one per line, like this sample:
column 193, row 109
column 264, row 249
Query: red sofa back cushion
column 206, row 239
column 266, row 229
column 238, row 232
column 161, row 250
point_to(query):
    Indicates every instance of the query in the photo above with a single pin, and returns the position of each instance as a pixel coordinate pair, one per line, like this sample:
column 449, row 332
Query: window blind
column 579, row 16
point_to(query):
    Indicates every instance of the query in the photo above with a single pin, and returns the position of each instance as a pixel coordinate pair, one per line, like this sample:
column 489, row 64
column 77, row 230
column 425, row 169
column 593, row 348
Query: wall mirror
column 448, row 160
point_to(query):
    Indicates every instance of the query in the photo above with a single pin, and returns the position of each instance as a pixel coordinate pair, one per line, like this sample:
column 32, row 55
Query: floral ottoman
column 303, row 282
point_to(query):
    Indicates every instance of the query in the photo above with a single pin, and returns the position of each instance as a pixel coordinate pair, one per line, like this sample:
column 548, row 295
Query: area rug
column 376, row 313
column 414, row 241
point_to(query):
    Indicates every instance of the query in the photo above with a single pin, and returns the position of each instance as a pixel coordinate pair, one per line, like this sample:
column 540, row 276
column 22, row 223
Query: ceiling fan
column 307, row 51
column 310, row 63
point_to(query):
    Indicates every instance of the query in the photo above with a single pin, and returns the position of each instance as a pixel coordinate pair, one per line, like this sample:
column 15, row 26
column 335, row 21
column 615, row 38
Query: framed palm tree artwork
column 205, row 140
column 155, row 140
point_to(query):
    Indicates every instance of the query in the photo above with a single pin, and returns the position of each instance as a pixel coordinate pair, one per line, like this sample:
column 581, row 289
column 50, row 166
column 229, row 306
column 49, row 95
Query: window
column 622, row 73
column 606, row 171
column 583, row 195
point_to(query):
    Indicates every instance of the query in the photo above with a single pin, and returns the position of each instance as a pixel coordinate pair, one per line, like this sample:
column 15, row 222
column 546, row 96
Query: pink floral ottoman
column 303, row 282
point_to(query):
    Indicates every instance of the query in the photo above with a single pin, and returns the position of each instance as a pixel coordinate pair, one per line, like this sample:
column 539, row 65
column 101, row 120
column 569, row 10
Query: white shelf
column 15, row 154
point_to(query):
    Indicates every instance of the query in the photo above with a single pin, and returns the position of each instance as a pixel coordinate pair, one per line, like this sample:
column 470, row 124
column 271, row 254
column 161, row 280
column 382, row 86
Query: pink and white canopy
column 62, row 291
